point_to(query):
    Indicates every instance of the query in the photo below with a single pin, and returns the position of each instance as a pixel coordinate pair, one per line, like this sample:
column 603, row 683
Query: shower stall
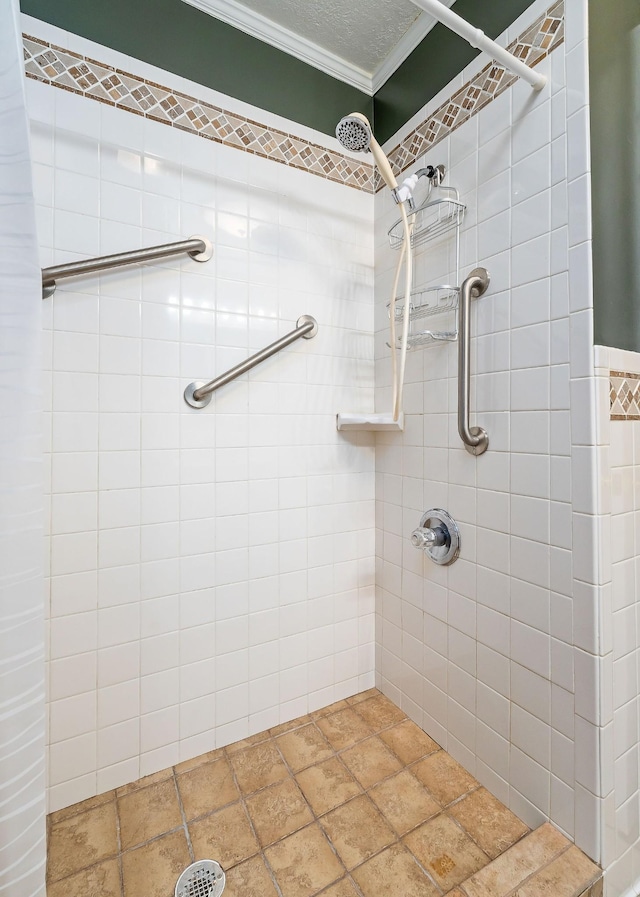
column 220, row 558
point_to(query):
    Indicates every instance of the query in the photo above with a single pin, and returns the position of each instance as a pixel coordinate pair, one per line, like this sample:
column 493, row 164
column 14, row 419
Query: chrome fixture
column 199, row 248
column 204, row 878
column 198, row 393
column 476, row 440
column 438, row 536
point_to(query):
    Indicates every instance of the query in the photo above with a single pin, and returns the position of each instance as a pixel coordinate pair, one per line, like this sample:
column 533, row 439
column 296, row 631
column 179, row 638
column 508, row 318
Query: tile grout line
column 363, row 792
column 261, row 852
column 315, row 818
column 183, row 814
column 119, row 843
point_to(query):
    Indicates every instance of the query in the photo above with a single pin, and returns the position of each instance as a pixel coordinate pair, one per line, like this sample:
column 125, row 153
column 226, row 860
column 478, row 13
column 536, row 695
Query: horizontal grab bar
column 198, row 393
column 199, row 248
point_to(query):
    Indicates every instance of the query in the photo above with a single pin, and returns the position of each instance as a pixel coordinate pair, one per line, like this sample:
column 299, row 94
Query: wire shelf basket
column 437, row 305
column 430, row 220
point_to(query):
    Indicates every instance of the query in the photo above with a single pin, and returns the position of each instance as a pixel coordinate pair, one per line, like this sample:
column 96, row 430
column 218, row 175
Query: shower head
column 354, row 133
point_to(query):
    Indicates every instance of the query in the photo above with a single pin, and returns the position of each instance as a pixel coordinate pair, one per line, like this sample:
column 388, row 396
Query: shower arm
column 479, row 39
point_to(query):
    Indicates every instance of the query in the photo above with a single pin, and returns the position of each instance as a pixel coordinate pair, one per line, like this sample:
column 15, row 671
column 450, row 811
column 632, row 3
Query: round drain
column 202, row 879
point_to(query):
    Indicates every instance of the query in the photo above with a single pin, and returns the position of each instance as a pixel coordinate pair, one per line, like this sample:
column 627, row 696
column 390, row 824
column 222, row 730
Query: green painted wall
column 181, row 39
column 436, row 60
column 614, row 76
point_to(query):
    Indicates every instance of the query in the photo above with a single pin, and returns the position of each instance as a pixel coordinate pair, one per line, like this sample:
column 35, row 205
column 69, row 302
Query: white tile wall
column 617, row 463
column 497, row 680
column 22, row 693
column 211, row 571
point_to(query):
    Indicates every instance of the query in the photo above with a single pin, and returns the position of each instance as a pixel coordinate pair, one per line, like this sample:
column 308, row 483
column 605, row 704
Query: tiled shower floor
column 350, row 801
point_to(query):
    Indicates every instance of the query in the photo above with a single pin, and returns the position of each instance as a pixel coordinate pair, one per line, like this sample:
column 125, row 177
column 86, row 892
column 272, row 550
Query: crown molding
column 278, row 36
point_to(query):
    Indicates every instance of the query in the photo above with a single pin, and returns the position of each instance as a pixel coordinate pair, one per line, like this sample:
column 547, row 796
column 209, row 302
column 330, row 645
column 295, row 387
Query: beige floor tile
column 327, row 785
column 343, row 888
column 225, row 836
column 187, row 765
column 278, row 811
column 508, row 871
column 147, row 813
column 207, row 788
column 408, row 742
column 344, row 728
column 394, row 871
column 404, row 802
column 357, row 830
column 492, row 826
column 362, row 696
column 289, row 726
column 259, row 766
column 444, row 777
column 250, row 879
column 252, row 740
column 370, row 761
column 153, row 869
column 304, row 747
column 596, row 889
column 329, row 709
column 380, row 712
column 81, row 807
column 82, row 840
column 304, row 863
column 102, row 880
column 445, row 851
column 153, row 779
column 567, row 876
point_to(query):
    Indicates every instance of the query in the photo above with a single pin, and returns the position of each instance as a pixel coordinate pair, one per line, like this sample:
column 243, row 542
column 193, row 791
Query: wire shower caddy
column 435, row 305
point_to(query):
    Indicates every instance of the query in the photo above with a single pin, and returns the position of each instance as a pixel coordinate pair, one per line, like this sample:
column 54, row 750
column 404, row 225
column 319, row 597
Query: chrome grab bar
column 199, row 248
column 198, row 393
column 476, row 440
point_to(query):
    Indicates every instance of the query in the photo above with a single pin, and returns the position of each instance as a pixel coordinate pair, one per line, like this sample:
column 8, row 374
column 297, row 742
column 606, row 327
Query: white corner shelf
column 369, row 421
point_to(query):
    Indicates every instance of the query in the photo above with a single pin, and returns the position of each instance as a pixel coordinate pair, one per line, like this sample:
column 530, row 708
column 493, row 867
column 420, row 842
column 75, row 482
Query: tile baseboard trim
column 624, row 395
column 98, row 81
column 103, row 83
column 532, row 46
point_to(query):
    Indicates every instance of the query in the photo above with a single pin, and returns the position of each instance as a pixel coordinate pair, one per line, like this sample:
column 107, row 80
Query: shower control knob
column 438, row 536
column 423, row 537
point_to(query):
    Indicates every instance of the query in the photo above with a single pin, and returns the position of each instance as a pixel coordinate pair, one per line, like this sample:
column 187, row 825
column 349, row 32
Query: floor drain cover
column 202, row 879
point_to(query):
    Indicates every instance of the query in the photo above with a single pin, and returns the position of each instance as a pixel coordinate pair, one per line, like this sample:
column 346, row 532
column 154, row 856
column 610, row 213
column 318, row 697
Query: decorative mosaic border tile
column 537, row 42
column 97, row 81
column 624, row 395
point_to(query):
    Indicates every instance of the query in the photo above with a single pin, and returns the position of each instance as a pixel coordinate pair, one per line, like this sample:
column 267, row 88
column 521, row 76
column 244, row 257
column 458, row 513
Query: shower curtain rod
column 479, row 39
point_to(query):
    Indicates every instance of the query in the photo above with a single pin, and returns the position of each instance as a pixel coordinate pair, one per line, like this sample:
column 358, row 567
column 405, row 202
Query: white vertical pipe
column 477, row 38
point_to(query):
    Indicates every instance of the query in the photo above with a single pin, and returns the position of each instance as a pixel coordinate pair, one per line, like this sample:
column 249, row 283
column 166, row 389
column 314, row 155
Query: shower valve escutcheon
column 438, row 536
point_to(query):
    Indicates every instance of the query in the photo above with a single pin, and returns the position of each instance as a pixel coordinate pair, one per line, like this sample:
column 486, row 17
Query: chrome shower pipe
column 199, row 248
column 476, row 440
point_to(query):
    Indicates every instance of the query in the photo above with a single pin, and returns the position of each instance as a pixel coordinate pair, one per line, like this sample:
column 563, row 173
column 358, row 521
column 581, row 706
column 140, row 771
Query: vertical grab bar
column 476, row 440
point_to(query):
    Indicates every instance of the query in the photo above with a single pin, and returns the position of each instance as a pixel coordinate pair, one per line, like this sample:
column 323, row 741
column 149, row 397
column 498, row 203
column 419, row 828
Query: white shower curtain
column 22, row 709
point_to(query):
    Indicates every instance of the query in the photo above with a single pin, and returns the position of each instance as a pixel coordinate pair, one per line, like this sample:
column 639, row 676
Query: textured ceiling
column 363, row 32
